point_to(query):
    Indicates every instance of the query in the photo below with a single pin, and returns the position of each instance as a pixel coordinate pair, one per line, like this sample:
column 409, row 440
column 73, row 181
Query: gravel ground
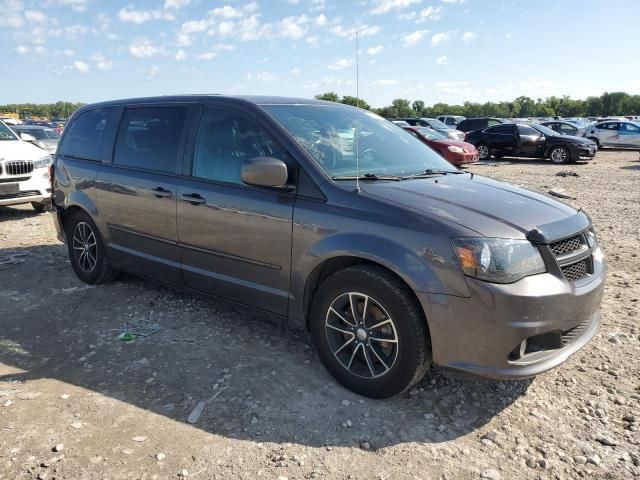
column 219, row 393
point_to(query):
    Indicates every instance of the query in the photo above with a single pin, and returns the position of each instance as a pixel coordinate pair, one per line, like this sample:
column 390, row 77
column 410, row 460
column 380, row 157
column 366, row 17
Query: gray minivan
column 337, row 221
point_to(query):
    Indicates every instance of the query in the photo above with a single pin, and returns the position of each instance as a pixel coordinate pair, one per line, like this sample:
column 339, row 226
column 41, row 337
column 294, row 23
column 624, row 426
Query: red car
column 455, row 151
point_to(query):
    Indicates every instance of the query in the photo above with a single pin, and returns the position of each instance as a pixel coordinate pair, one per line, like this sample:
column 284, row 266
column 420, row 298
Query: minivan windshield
column 6, row 133
column 433, row 123
column 332, row 135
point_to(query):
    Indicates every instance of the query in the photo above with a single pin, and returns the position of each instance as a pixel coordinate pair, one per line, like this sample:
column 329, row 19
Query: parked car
column 436, row 125
column 615, row 134
column 43, row 137
column 451, row 120
column 470, row 124
column 454, row 151
column 393, row 263
column 565, row 128
column 534, row 141
column 24, row 172
column 400, row 123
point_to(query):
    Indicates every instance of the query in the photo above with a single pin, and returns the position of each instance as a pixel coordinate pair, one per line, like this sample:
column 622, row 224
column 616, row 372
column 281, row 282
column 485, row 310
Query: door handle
column 161, row 192
column 192, row 198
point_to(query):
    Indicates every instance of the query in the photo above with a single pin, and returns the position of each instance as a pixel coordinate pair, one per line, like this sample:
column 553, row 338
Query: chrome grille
column 19, row 167
column 575, row 271
column 567, row 245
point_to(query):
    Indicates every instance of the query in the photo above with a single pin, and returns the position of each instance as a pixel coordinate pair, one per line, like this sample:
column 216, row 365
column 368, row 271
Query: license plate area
column 9, row 189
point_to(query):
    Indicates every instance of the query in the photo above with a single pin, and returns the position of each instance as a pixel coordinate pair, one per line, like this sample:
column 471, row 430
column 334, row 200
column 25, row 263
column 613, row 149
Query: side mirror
column 264, row 172
column 27, row 138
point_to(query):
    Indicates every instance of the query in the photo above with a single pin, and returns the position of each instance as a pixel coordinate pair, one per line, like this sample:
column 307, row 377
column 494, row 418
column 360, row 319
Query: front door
column 137, row 192
column 608, row 133
column 530, row 143
column 235, row 239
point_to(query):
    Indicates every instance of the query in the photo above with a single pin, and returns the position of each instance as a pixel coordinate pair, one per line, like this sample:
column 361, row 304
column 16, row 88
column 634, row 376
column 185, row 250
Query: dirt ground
column 269, row 409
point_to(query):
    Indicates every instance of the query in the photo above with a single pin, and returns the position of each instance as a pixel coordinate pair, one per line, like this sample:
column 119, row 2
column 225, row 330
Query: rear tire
column 378, row 352
column 86, row 250
column 483, row 151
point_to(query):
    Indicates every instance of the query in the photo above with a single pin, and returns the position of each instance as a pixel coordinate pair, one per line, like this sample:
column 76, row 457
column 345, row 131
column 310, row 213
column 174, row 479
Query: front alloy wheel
column 483, row 151
column 370, row 331
column 361, row 335
column 559, row 155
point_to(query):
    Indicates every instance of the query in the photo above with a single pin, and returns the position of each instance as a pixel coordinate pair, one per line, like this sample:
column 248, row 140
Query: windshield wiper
column 433, row 171
column 370, row 176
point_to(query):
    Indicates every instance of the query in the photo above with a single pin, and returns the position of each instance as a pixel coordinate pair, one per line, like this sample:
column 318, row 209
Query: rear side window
column 151, row 138
column 493, row 122
column 502, row 129
column 608, row 126
column 86, row 135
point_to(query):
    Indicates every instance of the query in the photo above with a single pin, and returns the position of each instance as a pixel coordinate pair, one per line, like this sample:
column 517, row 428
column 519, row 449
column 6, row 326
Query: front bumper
column 585, row 152
column 35, row 189
column 479, row 334
column 462, row 158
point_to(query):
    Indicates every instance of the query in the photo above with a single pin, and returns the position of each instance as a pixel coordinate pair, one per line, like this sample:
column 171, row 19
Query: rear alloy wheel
column 559, row 155
column 369, row 332
column 483, row 151
column 86, row 250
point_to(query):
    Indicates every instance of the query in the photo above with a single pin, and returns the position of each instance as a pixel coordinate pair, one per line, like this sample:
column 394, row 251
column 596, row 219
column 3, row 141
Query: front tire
column 483, row 151
column 560, row 155
column 369, row 332
column 86, row 250
column 41, row 207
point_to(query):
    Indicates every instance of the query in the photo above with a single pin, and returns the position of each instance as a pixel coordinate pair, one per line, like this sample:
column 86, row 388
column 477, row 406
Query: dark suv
column 470, row 124
column 337, row 221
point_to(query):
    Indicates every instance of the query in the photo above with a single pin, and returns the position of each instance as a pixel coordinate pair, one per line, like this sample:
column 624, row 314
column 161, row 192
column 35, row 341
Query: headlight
column 592, row 241
column 498, row 260
column 455, row 149
column 42, row 162
column 453, row 134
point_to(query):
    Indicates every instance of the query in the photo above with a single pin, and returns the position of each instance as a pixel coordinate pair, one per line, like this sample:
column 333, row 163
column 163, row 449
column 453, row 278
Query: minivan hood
column 489, row 207
column 20, row 150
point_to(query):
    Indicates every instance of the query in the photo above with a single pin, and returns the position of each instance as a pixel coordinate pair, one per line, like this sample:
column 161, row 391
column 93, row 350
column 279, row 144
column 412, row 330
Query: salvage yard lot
column 269, row 409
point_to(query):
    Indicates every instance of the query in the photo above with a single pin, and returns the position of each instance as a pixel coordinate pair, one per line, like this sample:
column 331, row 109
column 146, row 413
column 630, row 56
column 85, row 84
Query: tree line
column 607, row 104
column 48, row 110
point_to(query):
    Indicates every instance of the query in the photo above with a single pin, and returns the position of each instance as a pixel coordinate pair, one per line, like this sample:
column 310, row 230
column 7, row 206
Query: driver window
column 225, row 139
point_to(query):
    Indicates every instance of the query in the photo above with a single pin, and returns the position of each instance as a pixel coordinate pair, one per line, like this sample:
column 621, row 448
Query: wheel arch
column 329, row 266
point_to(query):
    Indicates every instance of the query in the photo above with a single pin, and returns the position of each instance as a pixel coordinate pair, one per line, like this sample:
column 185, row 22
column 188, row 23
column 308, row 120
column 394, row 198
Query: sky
column 434, row 50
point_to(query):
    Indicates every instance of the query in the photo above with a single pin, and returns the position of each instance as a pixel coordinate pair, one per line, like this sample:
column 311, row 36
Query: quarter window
column 85, row 136
column 151, row 138
column 630, row 128
column 225, row 140
column 501, row 129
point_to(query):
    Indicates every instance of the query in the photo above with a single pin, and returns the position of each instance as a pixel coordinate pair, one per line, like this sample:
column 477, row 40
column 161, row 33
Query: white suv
column 24, row 172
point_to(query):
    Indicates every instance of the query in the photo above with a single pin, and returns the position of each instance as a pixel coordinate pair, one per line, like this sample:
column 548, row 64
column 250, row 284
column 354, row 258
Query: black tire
column 93, row 269
column 560, row 155
column 41, row 207
column 484, row 152
column 406, row 361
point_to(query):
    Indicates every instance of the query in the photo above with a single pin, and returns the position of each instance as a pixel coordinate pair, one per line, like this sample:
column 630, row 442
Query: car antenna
column 357, row 106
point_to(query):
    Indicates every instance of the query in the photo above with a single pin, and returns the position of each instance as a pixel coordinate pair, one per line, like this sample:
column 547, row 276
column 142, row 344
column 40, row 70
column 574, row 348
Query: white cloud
column 40, row 50
column 340, row 64
column 384, row 6
column 311, row 86
column 207, row 55
column 459, row 2
column 11, row 16
column 152, row 71
column 82, row 67
column 141, row 16
column 383, row 82
column 261, row 77
column 429, row 13
column 22, row 50
column 194, row 26
column 142, row 47
column 293, row 27
column 176, row 3
column 76, row 5
column 180, row 55
column 321, row 20
column 468, row 37
column 443, row 60
column 102, row 62
column 439, row 38
column 350, row 32
column 295, row 71
column 413, row 38
column 35, row 16
column 68, row 53
column 375, row 50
